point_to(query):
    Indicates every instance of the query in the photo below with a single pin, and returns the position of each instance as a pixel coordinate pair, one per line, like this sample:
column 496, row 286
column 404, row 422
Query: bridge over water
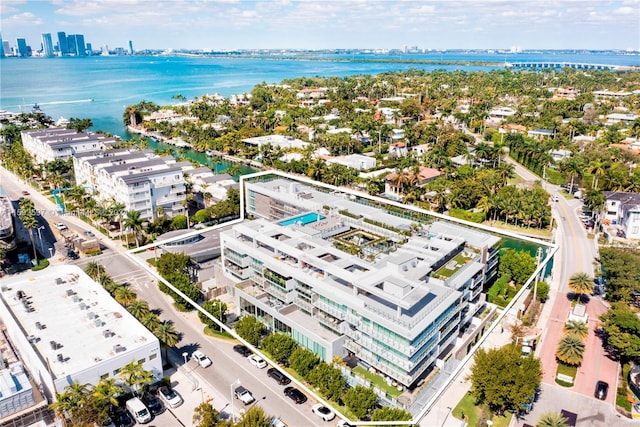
column 575, row 65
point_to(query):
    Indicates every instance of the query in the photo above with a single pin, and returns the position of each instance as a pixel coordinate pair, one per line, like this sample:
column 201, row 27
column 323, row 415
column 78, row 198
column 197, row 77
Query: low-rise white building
column 139, row 180
column 47, row 145
column 623, row 209
column 280, row 141
column 354, row 161
column 67, row 328
column 208, row 187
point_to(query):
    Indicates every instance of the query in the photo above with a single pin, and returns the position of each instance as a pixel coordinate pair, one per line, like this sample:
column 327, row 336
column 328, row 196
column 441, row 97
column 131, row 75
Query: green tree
column 170, row 263
column 27, row 215
column 254, row 417
column 570, row 350
column 124, row 295
column 106, row 391
column 134, row 375
column 503, row 379
column 303, row 361
column 205, row 415
column 217, row 309
column 622, row 327
column 151, row 321
column 576, row 327
column 168, row 336
column 138, row 308
column 79, row 125
column 94, row 270
column 552, row 419
column 520, row 265
column 360, row 400
column 390, row 414
column 543, row 291
column 279, row 346
column 580, row 284
column 328, row 380
column 251, row 329
column 133, row 222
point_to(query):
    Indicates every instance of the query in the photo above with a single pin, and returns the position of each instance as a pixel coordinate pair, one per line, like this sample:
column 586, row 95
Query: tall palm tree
column 94, row 269
column 124, row 295
column 68, row 405
column 168, row 336
column 106, row 391
column 133, row 222
column 576, row 327
column 151, row 321
column 138, row 308
column 552, row 419
column 107, row 282
column 570, row 350
column 580, row 283
column 27, row 215
column 134, row 375
column 597, row 168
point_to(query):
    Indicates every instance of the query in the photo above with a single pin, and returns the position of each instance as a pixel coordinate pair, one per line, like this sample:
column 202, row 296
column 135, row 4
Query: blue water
column 302, row 219
column 99, row 87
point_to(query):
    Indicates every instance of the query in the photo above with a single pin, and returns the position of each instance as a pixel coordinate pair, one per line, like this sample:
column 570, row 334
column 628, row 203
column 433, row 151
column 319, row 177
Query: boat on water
column 36, row 108
column 209, row 153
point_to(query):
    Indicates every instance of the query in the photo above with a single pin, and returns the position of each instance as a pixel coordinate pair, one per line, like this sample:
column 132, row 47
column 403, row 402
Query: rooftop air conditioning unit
column 83, row 306
column 118, row 348
column 60, row 357
column 108, row 333
column 91, row 315
column 98, row 323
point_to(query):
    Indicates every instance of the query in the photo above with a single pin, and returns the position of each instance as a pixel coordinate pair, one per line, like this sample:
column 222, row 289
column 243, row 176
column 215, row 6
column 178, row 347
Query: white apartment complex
column 348, row 278
column 138, row 179
column 47, row 145
column 67, row 328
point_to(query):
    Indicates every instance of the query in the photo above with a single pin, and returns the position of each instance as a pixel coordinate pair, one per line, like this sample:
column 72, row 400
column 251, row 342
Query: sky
column 329, row 24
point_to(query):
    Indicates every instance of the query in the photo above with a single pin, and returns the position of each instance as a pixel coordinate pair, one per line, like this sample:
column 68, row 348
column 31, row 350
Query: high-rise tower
column 47, row 44
column 23, row 49
column 62, row 43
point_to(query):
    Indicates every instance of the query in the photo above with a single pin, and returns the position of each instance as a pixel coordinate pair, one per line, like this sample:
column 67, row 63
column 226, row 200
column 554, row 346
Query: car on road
column 323, row 412
column 243, row 395
column 170, row 396
column 60, row 226
column 153, row 403
column 281, row 378
column 201, row 358
column 257, row 361
column 25, row 193
column 295, row 395
column 242, row 350
column 601, row 390
column 277, row 422
column 89, row 234
column 72, row 254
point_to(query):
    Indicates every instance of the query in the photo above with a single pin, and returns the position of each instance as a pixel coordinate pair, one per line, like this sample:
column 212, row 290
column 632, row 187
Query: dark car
column 121, row 417
column 281, row 378
column 295, row 395
column 601, row 390
column 153, row 403
column 243, row 350
column 72, row 254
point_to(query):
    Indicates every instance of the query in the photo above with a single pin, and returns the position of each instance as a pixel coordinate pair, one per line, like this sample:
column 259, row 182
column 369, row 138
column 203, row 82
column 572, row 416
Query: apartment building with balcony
column 140, row 180
column 47, row 145
column 350, row 278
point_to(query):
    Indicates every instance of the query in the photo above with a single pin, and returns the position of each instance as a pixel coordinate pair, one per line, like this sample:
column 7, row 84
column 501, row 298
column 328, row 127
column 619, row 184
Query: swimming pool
column 302, row 219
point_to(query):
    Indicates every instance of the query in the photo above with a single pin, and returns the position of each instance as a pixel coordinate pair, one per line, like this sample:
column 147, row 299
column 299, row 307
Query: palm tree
column 552, row 419
column 124, row 295
column 68, row 405
column 597, row 168
column 134, row 375
column 576, row 327
column 94, row 270
column 107, row 282
column 107, row 390
column 570, row 350
column 580, row 283
column 138, row 308
column 150, row 320
column 133, row 222
column 168, row 336
column 27, row 215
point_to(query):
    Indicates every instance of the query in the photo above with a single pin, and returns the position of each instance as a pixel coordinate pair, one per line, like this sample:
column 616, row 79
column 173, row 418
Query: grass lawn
column 377, row 380
column 524, row 230
column 472, row 413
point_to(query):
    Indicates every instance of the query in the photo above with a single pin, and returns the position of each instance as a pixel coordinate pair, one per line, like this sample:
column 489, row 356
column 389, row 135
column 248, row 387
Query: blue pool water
column 302, row 219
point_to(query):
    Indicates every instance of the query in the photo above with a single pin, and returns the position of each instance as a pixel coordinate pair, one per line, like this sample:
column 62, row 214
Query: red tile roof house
column 396, row 183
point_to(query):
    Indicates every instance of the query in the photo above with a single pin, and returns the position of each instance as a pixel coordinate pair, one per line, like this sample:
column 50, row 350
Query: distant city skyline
column 319, row 24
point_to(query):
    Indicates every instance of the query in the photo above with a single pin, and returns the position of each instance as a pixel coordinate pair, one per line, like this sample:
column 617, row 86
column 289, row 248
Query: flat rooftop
column 64, row 312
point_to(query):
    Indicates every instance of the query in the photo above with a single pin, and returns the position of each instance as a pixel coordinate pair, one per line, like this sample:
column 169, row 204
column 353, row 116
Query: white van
column 137, row 409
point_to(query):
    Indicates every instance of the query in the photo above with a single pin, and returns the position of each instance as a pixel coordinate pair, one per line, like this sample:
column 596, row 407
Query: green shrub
column 466, row 215
column 42, row 264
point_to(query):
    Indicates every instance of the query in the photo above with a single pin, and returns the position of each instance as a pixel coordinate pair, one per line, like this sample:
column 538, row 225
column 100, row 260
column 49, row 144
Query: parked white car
column 60, row 226
column 170, row 397
column 201, row 358
column 323, row 412
column 257, row 361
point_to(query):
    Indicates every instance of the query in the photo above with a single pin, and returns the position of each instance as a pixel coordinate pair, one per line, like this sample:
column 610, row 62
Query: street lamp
column 185, row 354
column 40, row 237
column 447, row 416
column 233, row 410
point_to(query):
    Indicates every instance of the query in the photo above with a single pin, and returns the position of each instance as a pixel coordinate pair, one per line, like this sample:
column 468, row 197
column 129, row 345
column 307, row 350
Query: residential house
column 396, row 184
column 623, row 209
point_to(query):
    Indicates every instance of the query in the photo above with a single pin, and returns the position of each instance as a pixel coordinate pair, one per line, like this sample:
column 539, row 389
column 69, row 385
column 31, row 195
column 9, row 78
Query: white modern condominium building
column 47, row 145
column 67, row 328
column 346, row 277
column 139, row 180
